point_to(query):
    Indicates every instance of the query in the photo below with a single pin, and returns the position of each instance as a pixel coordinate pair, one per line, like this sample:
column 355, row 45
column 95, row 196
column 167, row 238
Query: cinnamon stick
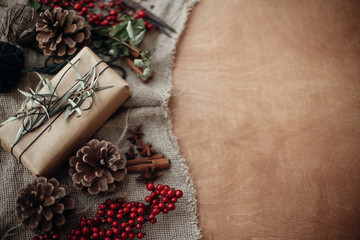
column 140, row 165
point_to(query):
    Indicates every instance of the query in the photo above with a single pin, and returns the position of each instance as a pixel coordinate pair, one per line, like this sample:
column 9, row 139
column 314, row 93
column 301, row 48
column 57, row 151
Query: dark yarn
column 12, row 61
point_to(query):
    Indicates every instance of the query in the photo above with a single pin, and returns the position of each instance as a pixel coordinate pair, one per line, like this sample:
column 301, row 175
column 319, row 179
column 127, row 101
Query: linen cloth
column 148, row 106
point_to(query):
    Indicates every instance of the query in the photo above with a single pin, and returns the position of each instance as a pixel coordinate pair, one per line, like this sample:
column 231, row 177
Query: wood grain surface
column 267, row 113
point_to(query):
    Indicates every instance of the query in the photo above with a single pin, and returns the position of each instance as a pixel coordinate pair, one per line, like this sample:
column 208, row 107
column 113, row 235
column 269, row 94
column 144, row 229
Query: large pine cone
column 98, row 168
column 61, row 32
column 43, row 204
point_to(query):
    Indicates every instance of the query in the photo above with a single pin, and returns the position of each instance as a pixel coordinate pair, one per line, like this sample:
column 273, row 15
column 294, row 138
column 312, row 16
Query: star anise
column 136, row 135
column 131, row 154
column 150, row 175
column 145, row 149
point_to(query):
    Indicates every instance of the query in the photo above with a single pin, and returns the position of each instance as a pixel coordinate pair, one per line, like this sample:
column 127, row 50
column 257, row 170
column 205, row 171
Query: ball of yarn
column 11, row 63
column 18, row 24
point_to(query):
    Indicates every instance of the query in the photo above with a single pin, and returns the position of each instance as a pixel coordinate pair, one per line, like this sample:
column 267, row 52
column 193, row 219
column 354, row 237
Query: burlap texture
column 147, row 106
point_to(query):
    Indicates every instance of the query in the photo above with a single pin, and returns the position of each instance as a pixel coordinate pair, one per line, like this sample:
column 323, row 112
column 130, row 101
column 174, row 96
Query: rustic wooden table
column 267, row 113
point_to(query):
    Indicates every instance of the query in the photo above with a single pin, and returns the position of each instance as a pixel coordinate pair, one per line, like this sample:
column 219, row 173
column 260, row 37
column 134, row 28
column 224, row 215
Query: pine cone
column 98, row 168
column 43, row 204
column 61, row 33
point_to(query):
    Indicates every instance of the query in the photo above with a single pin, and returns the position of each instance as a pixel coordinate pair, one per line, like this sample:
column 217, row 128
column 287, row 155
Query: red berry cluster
column 51, row 235
column 111, row 12
column 125, row 219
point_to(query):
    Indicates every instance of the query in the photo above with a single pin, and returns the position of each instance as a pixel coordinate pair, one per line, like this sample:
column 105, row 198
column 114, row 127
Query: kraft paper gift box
column 45, row 149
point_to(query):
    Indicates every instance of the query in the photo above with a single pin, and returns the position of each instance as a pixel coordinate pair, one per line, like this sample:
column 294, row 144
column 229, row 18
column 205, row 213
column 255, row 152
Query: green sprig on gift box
column 43, row 103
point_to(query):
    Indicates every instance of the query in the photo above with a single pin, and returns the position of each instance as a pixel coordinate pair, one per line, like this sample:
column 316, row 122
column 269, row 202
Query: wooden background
column 267, row 113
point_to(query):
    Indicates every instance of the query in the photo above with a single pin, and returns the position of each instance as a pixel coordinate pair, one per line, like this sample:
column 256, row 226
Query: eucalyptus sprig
column 124, row 37
column 43, row 103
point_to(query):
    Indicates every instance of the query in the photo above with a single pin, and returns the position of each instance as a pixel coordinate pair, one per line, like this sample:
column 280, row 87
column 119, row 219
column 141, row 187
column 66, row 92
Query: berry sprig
column 50, row 235
column 117, row 219
column 101, row 13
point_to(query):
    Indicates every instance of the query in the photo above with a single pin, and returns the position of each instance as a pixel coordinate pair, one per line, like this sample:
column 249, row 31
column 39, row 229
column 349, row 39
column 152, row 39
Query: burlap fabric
column 147, row 106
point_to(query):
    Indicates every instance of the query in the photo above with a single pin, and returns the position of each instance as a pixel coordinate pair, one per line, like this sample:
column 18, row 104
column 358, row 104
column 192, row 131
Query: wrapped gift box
column 44, row 150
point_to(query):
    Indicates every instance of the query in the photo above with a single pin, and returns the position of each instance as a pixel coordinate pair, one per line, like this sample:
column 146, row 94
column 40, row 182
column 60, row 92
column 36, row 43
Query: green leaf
column 130, row 31
column 146, row 73
column 138, row 39
column 140, row 63
column 33, row 3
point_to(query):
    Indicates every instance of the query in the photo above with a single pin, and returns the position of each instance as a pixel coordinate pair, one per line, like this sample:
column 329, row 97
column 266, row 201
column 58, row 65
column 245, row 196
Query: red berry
column 110, row 213
column 133, row 215
column 117, row 238
column 151, row 216
column 84, row 9
column 155, row 201
column 171, row 193
column 138, row 226
column 161, row 205
column 153, row 220
column 115, row 223
column 77, row 6
column 74, row 238
column 159, row 187
column 148, row 199
column 102, row 206
column 150, row 26
column 46, row 2
column 96, row 219
column 171, row 206
column 142, row 14
column 113, row 12
column 166, row 187
column 123, row 235
column 178, row 193
column 133, row 209
column 66, row 4
column 82, row 223
column 123, row 225
column 108, row 233
column 101, row 5
column 155, row 211
column 140, row 235
column 107, row 238
column 174, row 200
column 83, row 238
column 113, row 206
column 116, row 231
column 131, row 235
column 165, row 199
column 77, row 232
column 163, row 193
column 89, row 222
column 126, row 210
column 111, row 4
column 153, row 195
column 150, row 186
column 119, row 216
column 140, row 211
column 102, row 233
column 128, row 229
column 104, row 220
column 140, row 220
column 141, row 205
column 109, row 219
column 39, row 1
column 131, row 222
column 85, row 230
column 95, row 229
column 120, row 200
column 95, row 235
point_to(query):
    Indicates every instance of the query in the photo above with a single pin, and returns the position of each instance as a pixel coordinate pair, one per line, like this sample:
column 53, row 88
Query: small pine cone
column 98, row 168
column 43, row 204
column 61, row 32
